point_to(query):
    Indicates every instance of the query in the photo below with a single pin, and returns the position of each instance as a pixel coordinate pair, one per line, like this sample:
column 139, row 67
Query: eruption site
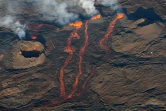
column 71, row 50
column 96, row 17
column 81, row 53
column 68, row 49
column 53, row 10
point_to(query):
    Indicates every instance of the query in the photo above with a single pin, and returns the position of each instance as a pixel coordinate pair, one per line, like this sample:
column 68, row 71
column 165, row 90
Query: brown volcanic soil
column 132, row 77
column 159, row 6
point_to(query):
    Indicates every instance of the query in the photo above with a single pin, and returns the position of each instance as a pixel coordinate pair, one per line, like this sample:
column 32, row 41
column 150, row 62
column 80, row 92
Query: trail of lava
column 110, row 30
column 36, row 30
column 95, row 17
column 62, row 84
column 81, row 53
column 70, row 50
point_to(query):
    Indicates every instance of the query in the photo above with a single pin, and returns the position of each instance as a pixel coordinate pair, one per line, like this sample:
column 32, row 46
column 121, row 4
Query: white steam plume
column 111, row 3
column 16, row 26
column 88, row 6
column 10, row 21
column 57, row 10
column 54, row 10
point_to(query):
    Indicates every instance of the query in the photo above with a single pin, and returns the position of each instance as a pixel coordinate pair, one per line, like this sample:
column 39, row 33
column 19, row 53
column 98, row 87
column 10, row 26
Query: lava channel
column 109, row 31
column 71, row 50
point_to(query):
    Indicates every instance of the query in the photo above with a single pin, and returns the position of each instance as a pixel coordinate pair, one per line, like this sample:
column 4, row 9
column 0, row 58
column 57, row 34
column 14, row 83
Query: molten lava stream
column 96, row 17
column 109, row 31
column 77, row 25
column 70, row 50
column 81, row 53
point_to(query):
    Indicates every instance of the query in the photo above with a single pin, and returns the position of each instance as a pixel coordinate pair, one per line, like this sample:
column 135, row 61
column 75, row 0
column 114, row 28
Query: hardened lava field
column 82, row 55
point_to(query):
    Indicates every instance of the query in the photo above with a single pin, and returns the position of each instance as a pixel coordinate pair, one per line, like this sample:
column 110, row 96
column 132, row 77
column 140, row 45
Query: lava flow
column 70, row 50
column 96, row 17
column 77, row 25
column 36, row 30
column 81, row 53
column 109, row 31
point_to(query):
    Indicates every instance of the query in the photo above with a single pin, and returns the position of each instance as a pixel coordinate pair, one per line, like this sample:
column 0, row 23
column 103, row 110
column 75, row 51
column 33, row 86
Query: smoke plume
column 10, row 21
column 88, row 6
column 111, row 3
column 56, row 11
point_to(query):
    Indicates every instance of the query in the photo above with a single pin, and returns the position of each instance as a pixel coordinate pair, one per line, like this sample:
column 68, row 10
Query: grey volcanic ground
column 130, row 77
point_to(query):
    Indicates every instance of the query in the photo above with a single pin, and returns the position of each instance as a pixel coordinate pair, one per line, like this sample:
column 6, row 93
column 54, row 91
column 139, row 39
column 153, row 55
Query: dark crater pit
column 29, row 54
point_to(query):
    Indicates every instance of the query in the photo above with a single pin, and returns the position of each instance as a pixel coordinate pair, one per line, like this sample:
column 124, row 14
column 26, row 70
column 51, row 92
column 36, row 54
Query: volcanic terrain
column 68, row 68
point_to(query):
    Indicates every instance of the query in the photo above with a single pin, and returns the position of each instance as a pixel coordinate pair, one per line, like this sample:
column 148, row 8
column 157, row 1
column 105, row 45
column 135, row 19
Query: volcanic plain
column 129, row 77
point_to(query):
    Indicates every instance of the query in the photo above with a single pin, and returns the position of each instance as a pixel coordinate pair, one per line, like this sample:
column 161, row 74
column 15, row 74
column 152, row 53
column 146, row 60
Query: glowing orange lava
column 36, row 30
column 120, row 15
column 62, row 84
column 33, row 37
column 81, row 53
column 77, row 24
column 70, row 50
column 96, row 17
column 109, row 31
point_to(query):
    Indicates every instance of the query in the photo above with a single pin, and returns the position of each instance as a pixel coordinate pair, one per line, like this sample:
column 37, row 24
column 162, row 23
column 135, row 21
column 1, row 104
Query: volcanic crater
column 25, row 54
